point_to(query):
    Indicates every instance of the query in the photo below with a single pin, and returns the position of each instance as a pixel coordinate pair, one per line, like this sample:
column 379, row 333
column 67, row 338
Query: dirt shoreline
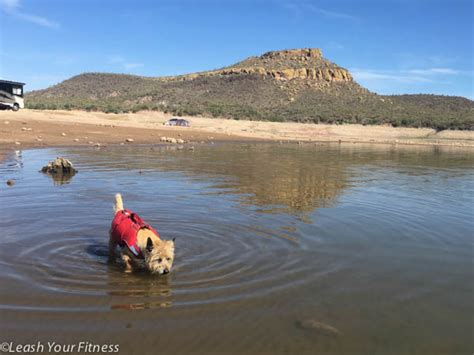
column 44, row 128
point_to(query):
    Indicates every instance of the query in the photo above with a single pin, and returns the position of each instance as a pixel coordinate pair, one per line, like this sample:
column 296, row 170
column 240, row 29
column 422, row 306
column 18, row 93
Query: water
column 375, row 241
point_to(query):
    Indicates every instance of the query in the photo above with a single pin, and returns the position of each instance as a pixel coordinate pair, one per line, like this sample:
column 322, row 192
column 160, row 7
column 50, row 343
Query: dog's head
column 159, row 256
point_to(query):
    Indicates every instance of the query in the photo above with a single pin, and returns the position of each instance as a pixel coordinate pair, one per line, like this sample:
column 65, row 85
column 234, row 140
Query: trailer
column 11, row 95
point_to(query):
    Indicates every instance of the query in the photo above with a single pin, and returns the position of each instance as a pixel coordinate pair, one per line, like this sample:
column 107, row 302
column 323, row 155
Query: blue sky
column 390, row 46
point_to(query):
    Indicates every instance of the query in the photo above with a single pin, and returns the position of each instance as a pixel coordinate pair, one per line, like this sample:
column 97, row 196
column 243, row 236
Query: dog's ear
column 149, row 244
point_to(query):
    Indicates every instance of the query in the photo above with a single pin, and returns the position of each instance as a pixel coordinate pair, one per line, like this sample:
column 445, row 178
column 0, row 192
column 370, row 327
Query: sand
column 44, row 128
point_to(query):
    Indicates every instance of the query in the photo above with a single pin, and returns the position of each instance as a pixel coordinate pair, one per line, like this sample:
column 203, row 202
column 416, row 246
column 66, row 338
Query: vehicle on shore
column 177, row 122
column 11, row 95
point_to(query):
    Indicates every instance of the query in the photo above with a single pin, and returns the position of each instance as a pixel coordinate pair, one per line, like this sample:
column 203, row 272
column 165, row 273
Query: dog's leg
column 127, row 262
column 112, row 248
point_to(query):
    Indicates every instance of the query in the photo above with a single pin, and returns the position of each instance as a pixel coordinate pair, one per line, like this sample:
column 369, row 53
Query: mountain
column 288, row 85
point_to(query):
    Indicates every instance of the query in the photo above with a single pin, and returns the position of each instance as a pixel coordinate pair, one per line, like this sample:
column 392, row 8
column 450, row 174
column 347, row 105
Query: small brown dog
column 141, row 245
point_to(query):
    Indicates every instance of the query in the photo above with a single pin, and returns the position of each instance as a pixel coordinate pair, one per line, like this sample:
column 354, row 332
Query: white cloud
column 42, row 21
column 121, row 61
column 13, row 7
column 427, row 75
column 332, row 14
column 368, row 75
column 10, row 5
column 434, row 71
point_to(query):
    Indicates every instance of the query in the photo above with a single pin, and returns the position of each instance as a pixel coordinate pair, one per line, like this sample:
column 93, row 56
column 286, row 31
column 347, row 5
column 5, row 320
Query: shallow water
column 375, row 241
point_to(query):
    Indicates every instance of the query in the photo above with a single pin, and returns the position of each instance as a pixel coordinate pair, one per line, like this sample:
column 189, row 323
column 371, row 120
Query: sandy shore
column 35, row 128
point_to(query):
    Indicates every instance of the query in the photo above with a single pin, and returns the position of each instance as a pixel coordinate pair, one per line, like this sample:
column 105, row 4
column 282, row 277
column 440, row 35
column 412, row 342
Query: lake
column 280, row 249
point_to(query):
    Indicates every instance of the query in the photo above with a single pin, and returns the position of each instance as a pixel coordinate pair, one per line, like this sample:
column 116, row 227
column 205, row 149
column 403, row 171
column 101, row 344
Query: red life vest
column 125, row 227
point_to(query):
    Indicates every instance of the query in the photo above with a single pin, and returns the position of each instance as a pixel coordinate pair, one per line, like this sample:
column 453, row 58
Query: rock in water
column 10, row 182
column 318, row 327
column 59, row 166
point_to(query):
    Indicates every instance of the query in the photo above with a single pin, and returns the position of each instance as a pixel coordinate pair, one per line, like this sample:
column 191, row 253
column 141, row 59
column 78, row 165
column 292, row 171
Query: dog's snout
column 166, row 271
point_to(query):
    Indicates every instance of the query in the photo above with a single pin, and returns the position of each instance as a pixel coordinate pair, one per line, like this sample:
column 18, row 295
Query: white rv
column 11, row 95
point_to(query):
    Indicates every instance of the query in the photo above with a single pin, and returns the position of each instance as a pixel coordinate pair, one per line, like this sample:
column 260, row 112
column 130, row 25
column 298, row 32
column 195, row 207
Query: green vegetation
column 255, row 97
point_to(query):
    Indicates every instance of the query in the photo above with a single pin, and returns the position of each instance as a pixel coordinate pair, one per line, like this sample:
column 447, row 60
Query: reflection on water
column 372, row 241
column 60, row 178
column 159, row 290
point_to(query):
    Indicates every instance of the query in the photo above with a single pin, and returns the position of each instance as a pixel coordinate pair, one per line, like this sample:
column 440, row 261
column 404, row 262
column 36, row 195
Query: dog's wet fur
column 158, row 253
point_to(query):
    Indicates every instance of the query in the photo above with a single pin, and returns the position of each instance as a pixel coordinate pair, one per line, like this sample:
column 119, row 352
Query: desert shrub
column 111, row 109
column 250, row 97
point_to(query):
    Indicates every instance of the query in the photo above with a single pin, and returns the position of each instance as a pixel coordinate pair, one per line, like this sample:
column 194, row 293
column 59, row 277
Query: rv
column 11, row 95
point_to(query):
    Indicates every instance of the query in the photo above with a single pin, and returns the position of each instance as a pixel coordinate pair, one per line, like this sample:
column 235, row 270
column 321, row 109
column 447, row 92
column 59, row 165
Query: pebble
column 90, row 142
column 17, row 143
column 39, row 139
column 129, row 140
column 6, row 122
column 163, row 139
column 63, row 134
column 10, row 182
column 76, row 140
column 180, row 141
column 191, row 148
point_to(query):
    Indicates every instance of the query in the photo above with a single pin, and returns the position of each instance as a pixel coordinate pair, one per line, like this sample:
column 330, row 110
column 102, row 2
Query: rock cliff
column 291, row 64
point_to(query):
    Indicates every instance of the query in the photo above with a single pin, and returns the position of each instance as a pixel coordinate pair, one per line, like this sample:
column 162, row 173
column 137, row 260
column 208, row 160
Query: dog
column 140, row 245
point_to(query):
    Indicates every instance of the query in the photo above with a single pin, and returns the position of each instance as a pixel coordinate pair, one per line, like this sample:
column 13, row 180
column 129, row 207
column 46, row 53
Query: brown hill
column 290, row 85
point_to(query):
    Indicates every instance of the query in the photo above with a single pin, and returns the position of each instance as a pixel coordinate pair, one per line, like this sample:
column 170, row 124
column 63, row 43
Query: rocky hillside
column 290, row 85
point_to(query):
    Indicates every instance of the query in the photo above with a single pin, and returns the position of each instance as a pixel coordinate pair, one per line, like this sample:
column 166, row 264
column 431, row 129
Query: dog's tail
column 118, row 203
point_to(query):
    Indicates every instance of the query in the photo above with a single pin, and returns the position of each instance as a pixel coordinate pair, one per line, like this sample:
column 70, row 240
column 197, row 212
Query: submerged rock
column 60, row 170
column 10, row 182
column 59, row 166
column 318, row 327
